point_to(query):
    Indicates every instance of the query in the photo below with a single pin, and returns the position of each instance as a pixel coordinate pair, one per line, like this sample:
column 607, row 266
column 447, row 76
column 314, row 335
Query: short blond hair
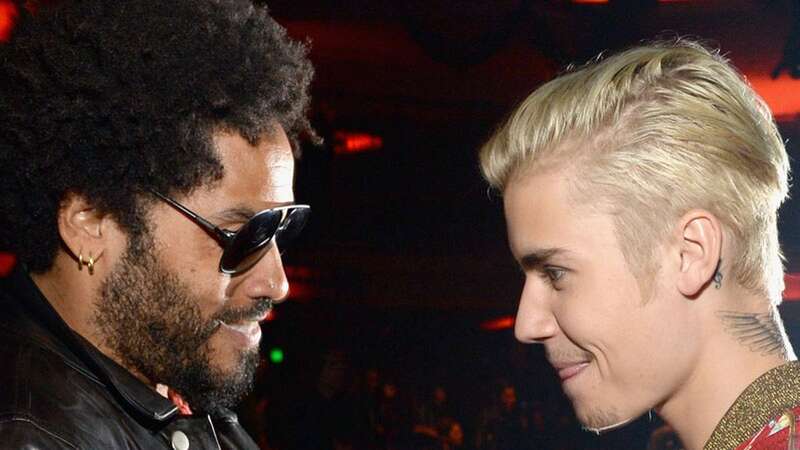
column 671, row 126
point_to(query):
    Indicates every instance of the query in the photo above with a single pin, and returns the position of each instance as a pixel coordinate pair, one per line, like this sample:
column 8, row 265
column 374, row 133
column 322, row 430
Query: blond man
column 641, row 195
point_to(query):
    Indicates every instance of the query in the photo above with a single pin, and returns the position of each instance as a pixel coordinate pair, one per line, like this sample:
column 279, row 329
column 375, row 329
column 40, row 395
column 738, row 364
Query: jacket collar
column 770, row 394
column 134, row 395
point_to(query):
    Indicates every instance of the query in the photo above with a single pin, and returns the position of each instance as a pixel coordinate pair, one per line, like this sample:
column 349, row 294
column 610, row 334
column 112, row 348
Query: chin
column 600, row 418
column 229, row 360
column 225, row 380
column 598, row 415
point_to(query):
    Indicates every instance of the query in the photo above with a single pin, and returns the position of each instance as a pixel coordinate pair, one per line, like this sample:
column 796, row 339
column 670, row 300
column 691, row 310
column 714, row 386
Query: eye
column 232, row 227
column 553, row 274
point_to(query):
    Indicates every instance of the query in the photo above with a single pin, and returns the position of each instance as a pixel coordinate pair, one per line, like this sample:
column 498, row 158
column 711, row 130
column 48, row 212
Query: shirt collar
column 131, row 392
column 764, row 399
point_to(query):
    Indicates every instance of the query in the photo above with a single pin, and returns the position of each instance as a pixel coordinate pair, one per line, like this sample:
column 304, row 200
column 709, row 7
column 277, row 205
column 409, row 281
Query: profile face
column 166, row 309
column 617, row 354
column 255, row 178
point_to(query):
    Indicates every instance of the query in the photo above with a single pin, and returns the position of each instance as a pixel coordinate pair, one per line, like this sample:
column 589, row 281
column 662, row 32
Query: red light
column 7, row 261
column 501, row 323
column 304, row 282
column 792, row 291
column 352, row 142
column 301, row 272
column 782, row 94
column 301, row 291
column 8, row 13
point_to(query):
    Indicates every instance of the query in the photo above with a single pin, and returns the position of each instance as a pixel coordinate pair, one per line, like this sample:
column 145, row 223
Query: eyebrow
column 236, row 214
column 539, row 257
column 241, row 213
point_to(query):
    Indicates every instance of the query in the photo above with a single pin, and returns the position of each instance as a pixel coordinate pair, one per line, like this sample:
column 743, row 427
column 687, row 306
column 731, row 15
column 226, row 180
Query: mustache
column 233, row 315
column 561, row 354
column 230, row 316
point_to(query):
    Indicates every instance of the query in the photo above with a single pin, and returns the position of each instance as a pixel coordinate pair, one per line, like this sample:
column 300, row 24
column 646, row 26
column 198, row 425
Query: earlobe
column 700, row 252
column 81, row 229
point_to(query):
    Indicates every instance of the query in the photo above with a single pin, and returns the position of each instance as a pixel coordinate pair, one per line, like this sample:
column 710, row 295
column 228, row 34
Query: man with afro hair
column 147, row 160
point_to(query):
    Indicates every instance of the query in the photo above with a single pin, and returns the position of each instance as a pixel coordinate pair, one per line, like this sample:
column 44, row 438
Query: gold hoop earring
column 80, row 261
column 90, row 264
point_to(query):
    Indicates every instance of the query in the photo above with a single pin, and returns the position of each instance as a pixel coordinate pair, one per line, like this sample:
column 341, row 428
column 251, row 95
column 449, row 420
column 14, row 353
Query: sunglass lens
column 291, row 227
column 248, row 260
column 250, row 242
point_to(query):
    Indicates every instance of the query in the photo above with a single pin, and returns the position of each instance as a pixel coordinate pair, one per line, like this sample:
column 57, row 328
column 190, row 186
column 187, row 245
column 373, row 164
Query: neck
column 741, row 344
column 72, row 294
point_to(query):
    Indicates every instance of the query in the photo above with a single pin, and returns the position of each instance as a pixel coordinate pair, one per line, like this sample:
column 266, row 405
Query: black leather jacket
column 59, row 392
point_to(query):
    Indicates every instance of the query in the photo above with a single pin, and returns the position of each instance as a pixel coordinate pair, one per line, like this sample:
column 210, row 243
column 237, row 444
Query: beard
column 599, row 418
column 152, row 322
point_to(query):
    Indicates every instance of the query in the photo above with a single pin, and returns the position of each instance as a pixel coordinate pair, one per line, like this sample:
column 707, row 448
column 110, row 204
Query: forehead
column 542, row 213
column 255, row 174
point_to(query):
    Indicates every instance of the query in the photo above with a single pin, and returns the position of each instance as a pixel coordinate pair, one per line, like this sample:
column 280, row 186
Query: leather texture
column 59, row 392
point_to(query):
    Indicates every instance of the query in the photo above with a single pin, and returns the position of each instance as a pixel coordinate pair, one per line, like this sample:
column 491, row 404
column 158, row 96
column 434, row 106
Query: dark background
column 404, row 268
column 406, row 256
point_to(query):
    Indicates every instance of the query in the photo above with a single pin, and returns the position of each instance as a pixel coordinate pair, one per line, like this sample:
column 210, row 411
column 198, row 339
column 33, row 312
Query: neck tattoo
column 718, row 276
column 759, row 332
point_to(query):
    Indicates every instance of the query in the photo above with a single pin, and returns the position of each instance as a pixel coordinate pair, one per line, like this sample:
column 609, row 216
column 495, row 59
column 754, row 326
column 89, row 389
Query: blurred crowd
column 369, row 409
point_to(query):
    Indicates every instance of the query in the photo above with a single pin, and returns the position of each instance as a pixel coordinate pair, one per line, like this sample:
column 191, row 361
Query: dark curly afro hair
column 108, row 98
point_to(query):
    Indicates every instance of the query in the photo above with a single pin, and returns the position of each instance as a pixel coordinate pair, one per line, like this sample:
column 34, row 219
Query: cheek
column 185, row 248
column 665, row 341
column 209, row 292
column 198, row 255
column 607, row 318
column 194, row 261
column 648, row 344
column 599, row 311
column 222, row 355
column 206, row 292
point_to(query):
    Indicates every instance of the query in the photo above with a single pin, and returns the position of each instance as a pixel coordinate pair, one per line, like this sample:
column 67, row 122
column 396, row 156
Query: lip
column 568, row 370
column 244, row 334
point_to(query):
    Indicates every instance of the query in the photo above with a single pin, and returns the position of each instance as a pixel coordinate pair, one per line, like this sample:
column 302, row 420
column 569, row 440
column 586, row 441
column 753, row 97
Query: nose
column 267, row 278
column 535, row 320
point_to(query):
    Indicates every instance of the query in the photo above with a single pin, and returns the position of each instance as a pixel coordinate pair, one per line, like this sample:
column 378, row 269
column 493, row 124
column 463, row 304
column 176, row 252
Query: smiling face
column 617, row 354
column 167, row 312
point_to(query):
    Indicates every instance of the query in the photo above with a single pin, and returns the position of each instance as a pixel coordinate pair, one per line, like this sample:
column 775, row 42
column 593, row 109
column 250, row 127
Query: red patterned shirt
column 765, row 415
column 779, row 434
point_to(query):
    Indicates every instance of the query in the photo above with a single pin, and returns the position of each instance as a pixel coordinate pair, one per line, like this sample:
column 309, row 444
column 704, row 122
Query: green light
column 276, row 355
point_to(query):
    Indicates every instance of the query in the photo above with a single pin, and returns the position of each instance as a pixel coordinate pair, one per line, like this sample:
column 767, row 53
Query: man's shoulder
column 759, row 416
column 47, row 396
column 20, row 432
column 777, row 434
column 33, row 365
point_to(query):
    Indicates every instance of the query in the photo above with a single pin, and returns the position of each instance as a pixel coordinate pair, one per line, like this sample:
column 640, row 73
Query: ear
column 700, row 251
column 81, row 227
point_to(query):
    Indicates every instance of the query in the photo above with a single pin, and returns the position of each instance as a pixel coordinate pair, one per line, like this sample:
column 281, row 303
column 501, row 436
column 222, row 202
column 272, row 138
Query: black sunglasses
column 243, row 248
